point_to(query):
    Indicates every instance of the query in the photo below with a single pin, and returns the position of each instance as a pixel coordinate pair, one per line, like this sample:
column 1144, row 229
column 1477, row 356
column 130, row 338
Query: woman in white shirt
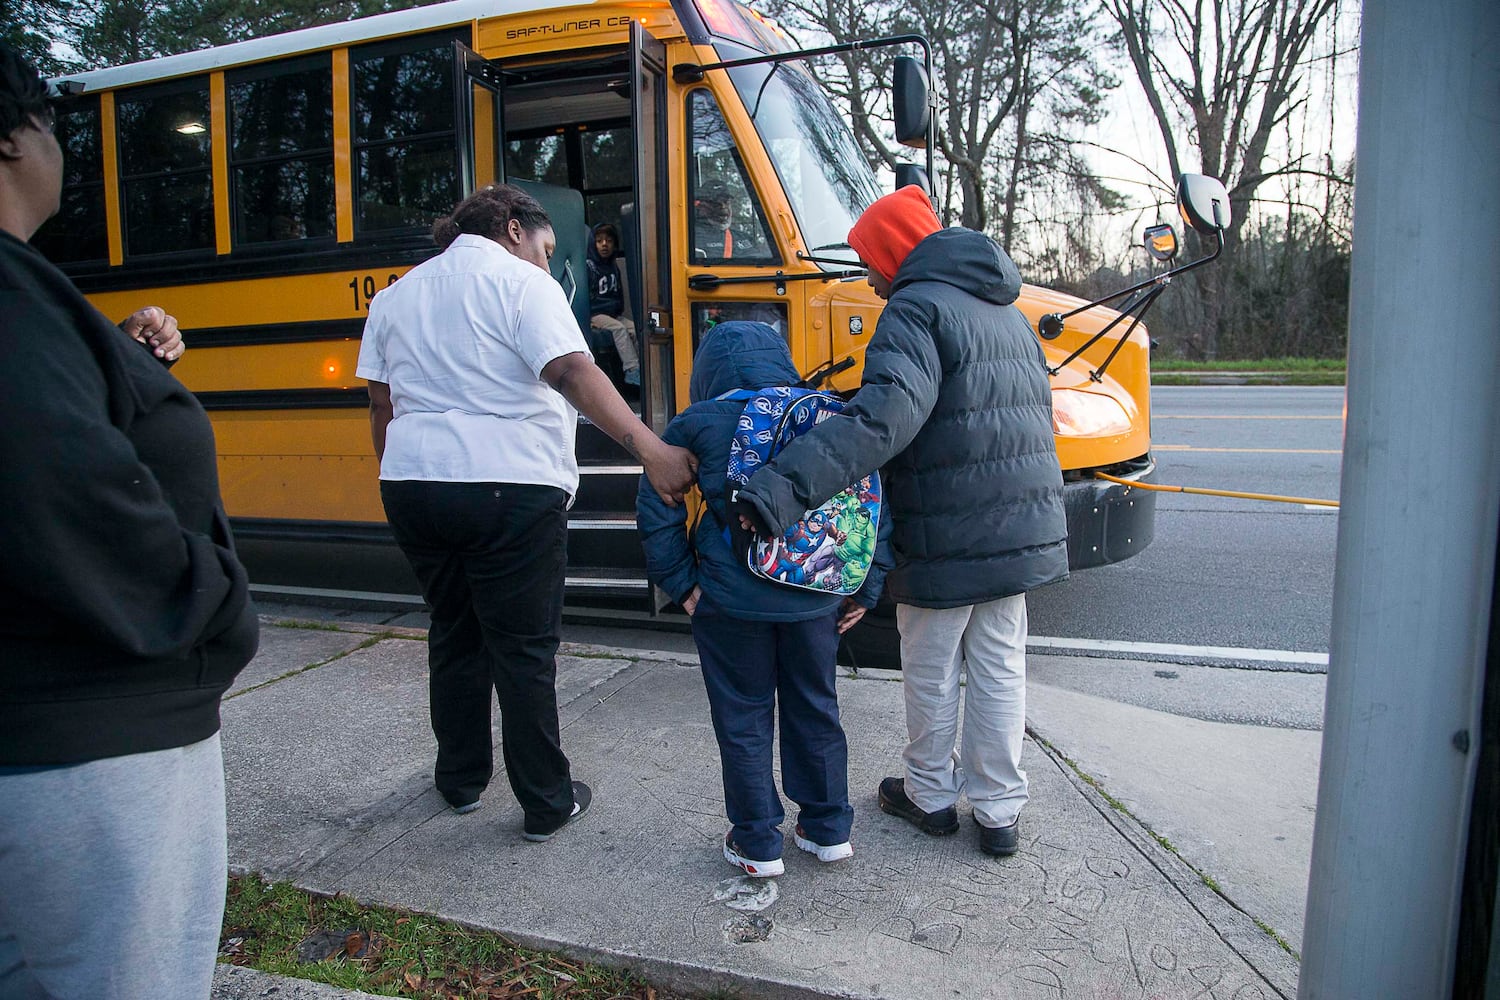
column 477, row 373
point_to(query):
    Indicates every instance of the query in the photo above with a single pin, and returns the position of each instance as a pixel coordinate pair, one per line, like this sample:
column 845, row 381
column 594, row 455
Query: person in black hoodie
column 956, row 406
column 607, row 299
column 126, row 616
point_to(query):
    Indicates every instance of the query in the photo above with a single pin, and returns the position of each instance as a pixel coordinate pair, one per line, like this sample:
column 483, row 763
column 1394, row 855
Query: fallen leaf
column 415, row 982
column 354, row 944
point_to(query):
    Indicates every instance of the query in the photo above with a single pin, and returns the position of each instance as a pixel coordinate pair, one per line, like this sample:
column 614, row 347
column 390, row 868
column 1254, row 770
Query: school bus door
column 647, row 235
column 644, row 238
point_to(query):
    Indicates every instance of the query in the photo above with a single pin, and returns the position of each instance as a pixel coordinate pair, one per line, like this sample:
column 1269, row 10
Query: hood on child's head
column 740, row 355
column 603, row 227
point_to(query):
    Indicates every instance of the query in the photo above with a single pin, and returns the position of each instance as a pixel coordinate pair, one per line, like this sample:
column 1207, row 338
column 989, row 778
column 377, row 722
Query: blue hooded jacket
column 736, row 355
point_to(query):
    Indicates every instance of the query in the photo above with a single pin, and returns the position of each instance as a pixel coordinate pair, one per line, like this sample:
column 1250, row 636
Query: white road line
column 1244, row 416
column 1172, row 649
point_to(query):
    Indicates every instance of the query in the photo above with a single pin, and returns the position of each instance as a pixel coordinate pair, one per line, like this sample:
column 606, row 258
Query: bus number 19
column 364, row 289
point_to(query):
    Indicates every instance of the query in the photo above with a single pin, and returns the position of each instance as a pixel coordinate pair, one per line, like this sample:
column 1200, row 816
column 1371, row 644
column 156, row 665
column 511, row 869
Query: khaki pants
column 622, row 331
column 989, row 642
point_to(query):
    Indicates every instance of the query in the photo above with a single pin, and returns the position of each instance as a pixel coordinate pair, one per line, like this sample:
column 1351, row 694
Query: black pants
column 491, row 558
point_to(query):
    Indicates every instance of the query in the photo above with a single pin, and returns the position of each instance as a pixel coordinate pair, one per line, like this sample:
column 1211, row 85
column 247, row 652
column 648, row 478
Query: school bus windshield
column 822, row 170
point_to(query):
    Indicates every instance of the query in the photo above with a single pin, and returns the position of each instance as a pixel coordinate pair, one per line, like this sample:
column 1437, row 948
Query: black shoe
column 894, row 801
column 1001, row 841
column 582, row 796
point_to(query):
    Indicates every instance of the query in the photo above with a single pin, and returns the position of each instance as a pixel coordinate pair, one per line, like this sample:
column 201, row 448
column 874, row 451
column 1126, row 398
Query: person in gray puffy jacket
column 955, row 406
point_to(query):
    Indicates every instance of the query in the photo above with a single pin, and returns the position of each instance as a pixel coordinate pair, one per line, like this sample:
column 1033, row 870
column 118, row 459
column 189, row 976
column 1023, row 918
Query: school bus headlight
column 1087, row 414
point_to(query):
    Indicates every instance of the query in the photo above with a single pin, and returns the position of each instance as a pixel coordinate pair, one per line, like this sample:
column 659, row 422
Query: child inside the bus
column 765, row 648
column 607, row 299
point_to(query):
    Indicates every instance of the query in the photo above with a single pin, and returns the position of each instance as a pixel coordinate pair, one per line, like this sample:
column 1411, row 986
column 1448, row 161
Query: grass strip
column 1259, row 378
column 313, row 666
column 277, row 928
column 1250, row 365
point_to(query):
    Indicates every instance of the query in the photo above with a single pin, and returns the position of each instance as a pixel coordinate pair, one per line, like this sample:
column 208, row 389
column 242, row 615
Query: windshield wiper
column 829, row 260
column 708, row 282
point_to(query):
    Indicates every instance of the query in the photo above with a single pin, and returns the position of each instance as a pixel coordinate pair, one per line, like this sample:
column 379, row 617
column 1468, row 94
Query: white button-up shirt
column 462, row 339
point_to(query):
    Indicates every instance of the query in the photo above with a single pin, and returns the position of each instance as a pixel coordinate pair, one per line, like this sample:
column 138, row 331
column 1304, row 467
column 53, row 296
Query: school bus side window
column 77, row 232
column 597, row 160
column 281, row 151
column 405, row 145
column 541, row 158
column 165, row 171
column 726, row 222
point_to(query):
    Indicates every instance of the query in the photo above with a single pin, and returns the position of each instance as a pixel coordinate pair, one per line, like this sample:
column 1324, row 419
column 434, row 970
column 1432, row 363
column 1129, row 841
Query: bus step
column 605, row 540
column 593, row 445
column 605, row 489
column 607, row 587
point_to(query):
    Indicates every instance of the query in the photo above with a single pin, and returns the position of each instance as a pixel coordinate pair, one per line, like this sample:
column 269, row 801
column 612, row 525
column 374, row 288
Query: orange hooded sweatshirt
column 892, row 227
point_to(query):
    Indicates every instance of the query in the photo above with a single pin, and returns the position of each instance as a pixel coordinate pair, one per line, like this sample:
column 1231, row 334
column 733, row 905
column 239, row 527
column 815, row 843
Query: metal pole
column 1421, row 498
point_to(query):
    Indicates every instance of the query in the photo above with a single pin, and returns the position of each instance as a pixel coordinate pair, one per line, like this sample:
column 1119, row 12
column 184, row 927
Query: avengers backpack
column 830, row 548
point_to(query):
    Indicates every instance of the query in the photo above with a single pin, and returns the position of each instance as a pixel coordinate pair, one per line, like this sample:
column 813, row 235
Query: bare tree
column 1228, row 74
column 1010, row 73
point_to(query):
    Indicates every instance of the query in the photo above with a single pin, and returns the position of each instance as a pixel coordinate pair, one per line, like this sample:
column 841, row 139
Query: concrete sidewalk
column 329, row 754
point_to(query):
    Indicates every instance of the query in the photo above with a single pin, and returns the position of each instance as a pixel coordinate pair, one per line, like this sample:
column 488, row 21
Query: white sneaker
column 755, row 869
column 833, row 852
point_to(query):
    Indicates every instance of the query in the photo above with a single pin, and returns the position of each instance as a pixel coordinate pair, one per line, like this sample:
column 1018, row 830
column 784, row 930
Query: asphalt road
column 1223, row 572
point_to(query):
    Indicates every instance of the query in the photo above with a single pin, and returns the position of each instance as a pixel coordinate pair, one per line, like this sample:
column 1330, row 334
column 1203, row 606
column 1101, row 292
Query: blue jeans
column 747, row 667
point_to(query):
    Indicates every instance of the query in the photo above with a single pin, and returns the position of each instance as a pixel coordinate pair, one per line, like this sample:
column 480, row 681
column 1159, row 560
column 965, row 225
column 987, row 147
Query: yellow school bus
column 264, row 191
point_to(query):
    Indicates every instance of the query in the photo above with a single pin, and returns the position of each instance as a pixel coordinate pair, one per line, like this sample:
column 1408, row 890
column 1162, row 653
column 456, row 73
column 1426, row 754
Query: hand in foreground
column 671, row 471
column 749, row 516
column 157, row 329
column 850, row 614
column 691, row 604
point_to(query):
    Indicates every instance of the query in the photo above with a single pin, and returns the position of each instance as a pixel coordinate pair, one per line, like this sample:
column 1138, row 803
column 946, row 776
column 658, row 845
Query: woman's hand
column 671, row 469
column 850, row 614
column 691, row 604
column 157, row 329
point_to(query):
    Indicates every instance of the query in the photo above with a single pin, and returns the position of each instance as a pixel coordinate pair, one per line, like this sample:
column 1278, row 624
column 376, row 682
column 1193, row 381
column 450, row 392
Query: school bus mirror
column 908, row 174
column 1160, row 241
column 1203, row 203
column 687, row 73
column 909, row 92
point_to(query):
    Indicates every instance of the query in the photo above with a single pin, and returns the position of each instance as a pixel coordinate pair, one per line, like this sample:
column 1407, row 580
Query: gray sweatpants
column 112, row 877
column 988, row 643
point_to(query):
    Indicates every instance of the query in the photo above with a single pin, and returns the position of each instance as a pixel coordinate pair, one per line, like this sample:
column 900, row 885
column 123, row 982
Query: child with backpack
column 765, row 647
